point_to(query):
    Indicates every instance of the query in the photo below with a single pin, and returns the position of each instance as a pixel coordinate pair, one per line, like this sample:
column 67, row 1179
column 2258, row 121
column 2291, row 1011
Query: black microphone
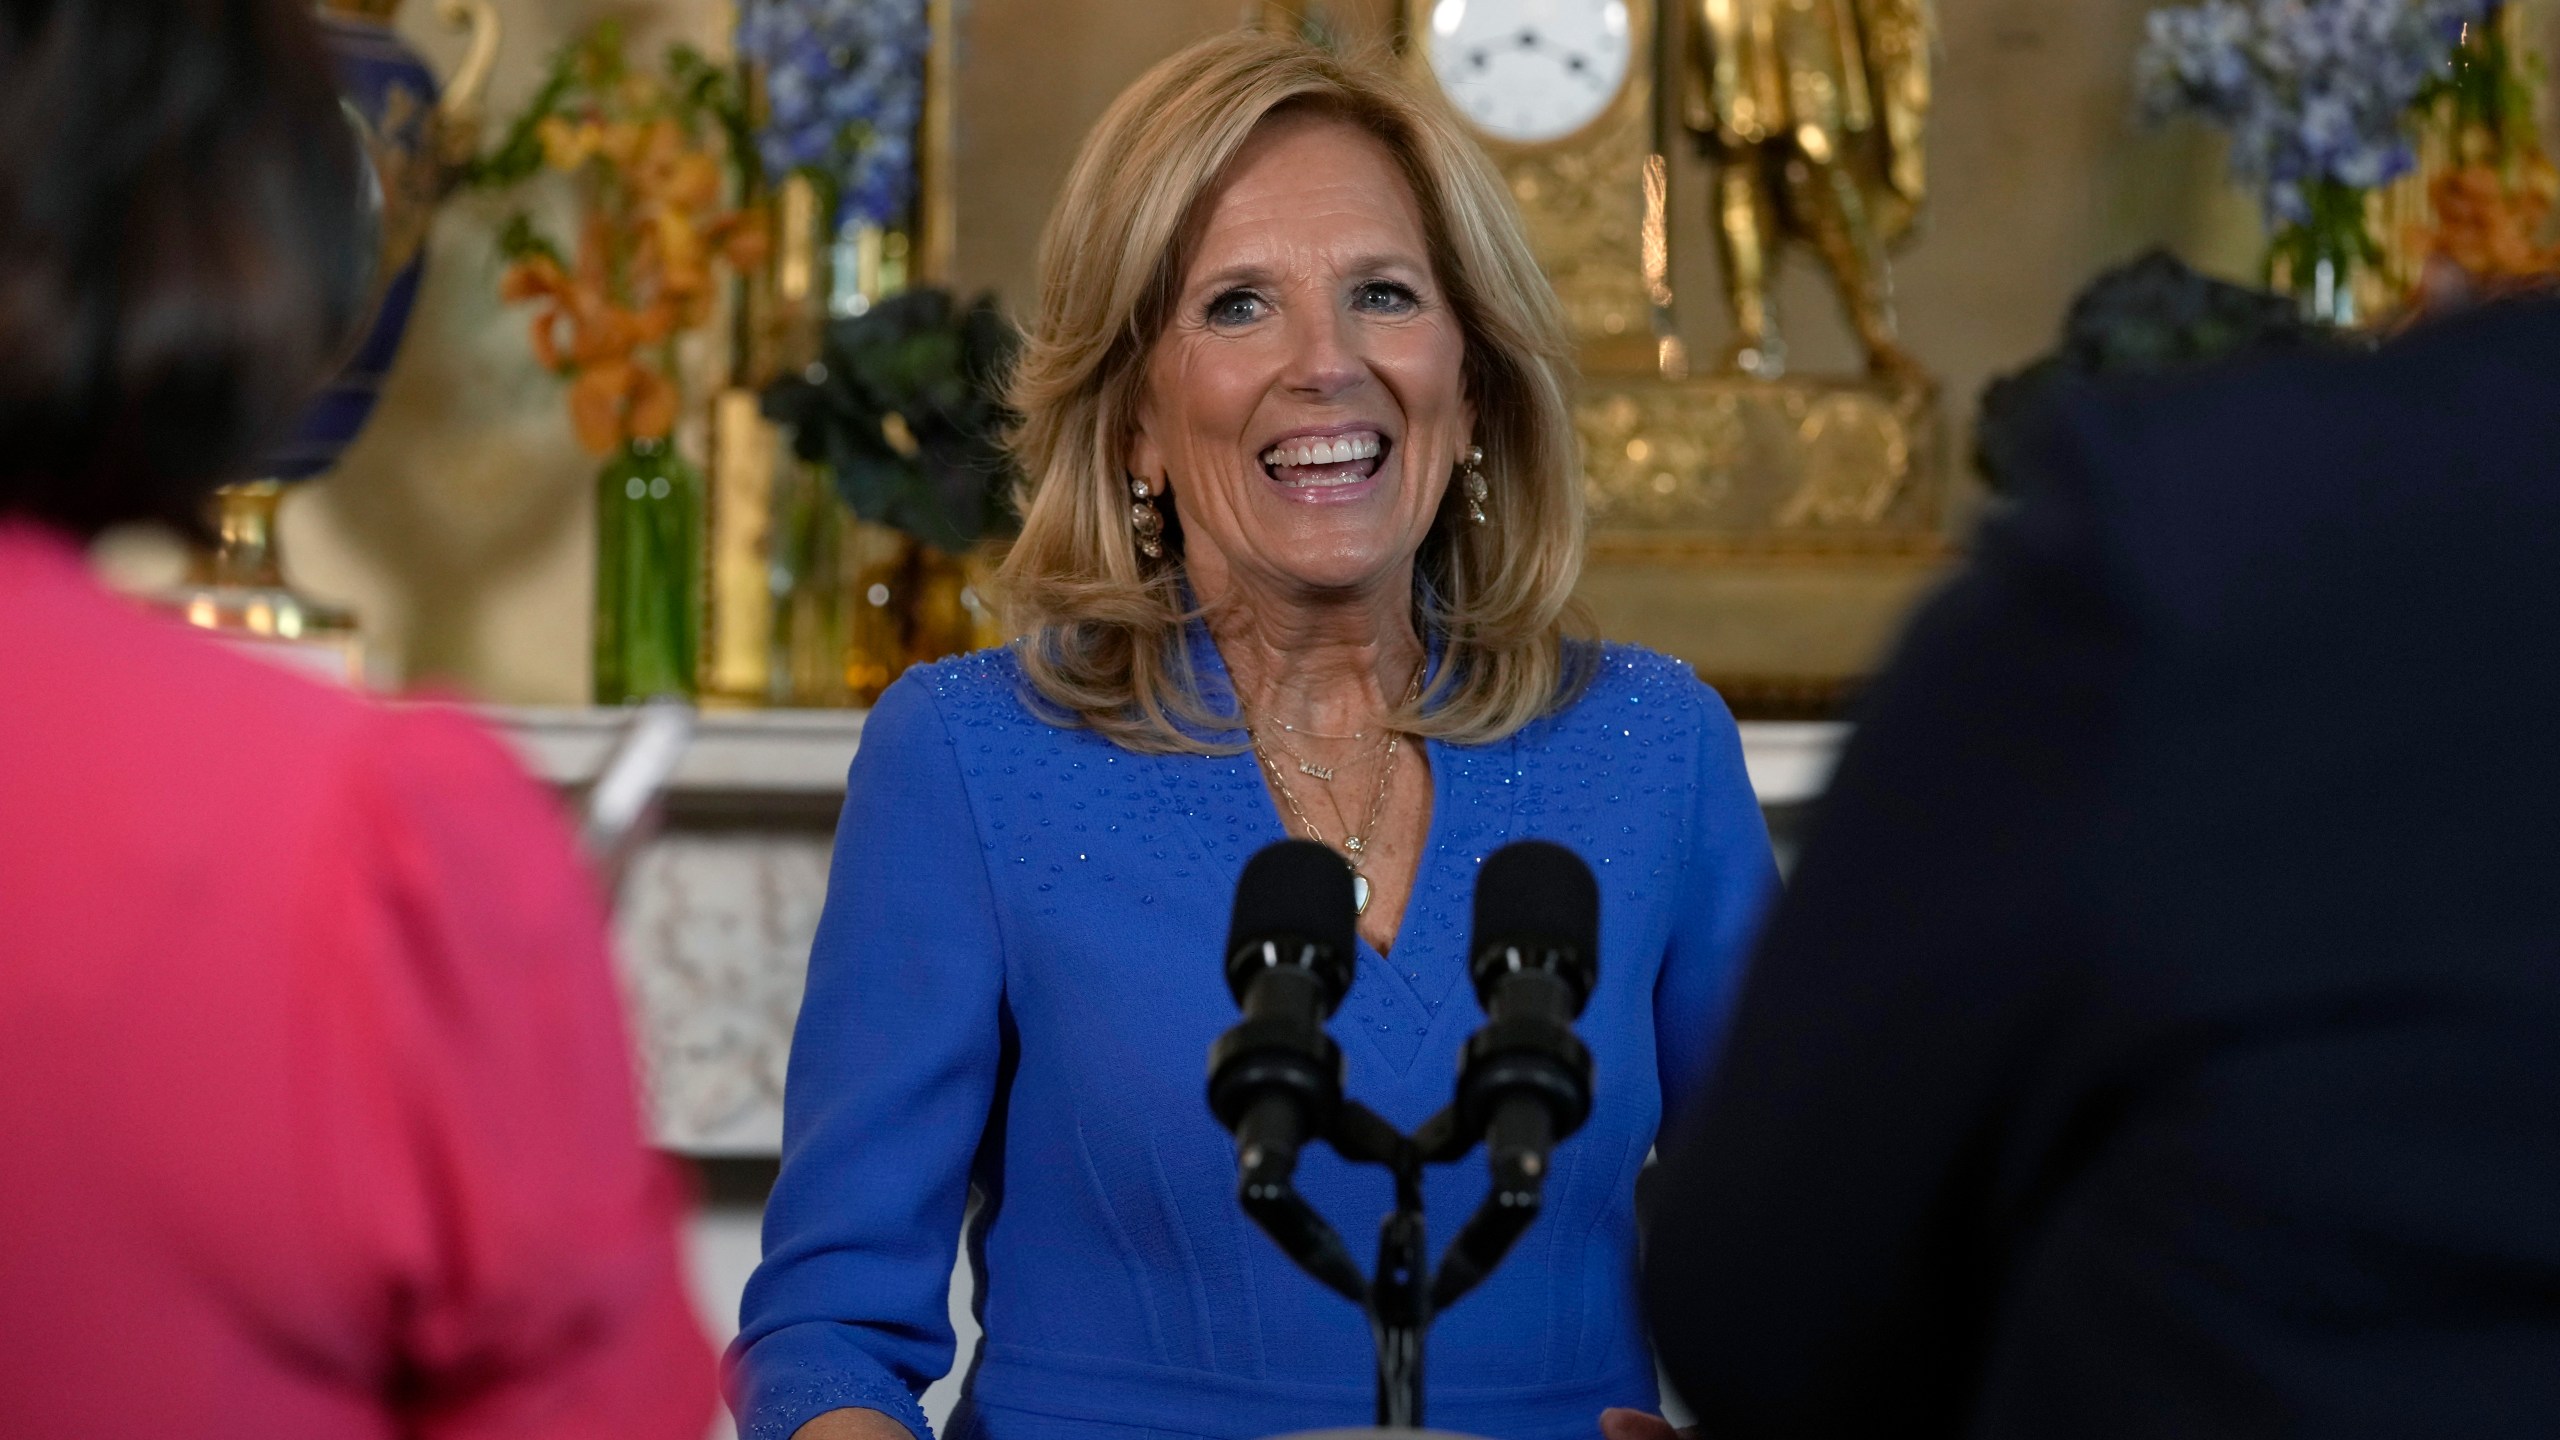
column 1525, row 1080
column 1275, row 1080
column 1524, row 1084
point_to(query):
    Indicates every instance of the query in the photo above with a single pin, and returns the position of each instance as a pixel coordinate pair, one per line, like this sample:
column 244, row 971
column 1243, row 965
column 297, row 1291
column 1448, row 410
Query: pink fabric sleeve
column 485, row 1141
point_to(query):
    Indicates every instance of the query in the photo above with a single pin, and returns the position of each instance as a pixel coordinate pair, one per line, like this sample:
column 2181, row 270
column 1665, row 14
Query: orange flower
column 567, row 144
column 619, row 142
column 618, row 401
column 654, row 230
column 537, row 277
column 690, row 182
column 2491, row 225
column 744, row 240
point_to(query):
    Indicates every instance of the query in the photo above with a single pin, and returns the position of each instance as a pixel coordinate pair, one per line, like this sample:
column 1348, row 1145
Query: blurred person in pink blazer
column 316, row 1113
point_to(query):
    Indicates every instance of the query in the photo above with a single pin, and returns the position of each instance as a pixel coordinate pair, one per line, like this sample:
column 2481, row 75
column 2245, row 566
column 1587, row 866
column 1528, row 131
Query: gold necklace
column 1325, row 773
column 1321, row 735
column 1305, row 765
column 1356, row 845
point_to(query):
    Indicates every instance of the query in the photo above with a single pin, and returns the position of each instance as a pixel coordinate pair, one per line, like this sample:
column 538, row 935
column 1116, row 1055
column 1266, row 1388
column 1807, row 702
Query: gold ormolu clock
column 1561, row 93
column 1770, row 531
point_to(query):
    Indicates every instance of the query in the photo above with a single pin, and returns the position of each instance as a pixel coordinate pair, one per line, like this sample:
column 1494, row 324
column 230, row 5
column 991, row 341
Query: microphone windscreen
column 1540, row 897
column 1297, row 892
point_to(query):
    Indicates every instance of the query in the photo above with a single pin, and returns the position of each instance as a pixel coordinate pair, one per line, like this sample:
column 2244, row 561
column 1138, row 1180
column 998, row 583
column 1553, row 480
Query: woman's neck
column 1327, row 665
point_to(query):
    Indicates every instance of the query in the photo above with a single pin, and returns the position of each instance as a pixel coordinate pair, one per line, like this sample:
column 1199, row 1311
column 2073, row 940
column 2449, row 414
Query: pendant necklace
column 1357, row 846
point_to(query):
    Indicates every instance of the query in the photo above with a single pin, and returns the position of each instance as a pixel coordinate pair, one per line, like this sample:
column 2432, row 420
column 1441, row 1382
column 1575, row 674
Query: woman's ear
column 1146, row 457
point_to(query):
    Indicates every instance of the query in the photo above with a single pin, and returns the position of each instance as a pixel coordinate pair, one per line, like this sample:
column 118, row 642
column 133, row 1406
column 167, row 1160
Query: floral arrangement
column 2151, row 316
column 2492, row 209
column 843, row 89
column 651, row 153
column 2316, row 94
column 905, row 406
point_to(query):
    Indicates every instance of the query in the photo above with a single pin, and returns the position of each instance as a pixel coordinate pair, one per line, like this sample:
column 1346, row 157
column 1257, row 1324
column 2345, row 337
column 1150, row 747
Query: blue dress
column 1014, row 988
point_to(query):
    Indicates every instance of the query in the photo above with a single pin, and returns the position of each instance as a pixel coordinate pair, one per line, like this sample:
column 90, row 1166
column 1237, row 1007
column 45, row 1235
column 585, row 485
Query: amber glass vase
column 649, row 559
column 912, row 605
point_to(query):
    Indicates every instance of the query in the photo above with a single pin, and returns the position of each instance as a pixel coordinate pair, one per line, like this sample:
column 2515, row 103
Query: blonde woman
column 1301, row 524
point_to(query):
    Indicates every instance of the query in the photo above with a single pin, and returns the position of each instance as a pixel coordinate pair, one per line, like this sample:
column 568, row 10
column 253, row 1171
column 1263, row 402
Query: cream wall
column 458, row 525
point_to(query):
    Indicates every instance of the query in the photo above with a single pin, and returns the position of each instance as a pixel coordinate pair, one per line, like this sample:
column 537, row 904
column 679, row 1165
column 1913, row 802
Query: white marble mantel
column 750, row 753
column 716, row 914
column 805, row 752
column 744, row 753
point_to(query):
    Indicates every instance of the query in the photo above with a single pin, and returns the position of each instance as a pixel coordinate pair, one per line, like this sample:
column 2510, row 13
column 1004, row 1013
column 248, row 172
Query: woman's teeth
column 1336, row 450
column 1322, row 462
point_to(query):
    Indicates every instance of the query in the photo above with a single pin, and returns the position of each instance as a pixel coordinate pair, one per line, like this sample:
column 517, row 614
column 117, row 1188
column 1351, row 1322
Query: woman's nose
column 1324, row 357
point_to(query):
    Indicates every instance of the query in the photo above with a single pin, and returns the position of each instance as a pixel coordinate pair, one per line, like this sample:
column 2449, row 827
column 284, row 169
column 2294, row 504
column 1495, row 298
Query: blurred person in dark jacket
column 2161, row 1037
column 316, row 1107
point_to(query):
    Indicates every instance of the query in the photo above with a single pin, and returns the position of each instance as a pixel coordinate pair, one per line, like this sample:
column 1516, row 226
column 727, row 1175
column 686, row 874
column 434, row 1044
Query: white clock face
column 1529, row 71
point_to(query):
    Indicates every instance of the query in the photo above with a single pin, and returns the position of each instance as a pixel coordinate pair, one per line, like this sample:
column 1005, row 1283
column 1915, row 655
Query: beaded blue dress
column 1014, row 988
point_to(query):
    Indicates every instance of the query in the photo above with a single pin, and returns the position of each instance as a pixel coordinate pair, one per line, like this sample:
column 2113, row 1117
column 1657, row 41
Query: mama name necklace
column 1305, row 765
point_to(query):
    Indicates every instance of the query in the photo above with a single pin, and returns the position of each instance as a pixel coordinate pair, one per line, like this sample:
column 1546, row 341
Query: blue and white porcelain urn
column 419, row 137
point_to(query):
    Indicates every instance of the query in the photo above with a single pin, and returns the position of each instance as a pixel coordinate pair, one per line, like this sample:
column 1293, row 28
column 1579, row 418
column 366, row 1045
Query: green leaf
column 603, row 56
column 939, row 372
column 521, row 241
column 708, row 92
column 518, row 155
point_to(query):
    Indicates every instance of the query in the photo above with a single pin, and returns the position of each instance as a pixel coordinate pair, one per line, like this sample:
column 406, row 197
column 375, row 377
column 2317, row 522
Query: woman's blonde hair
column 1103, row 628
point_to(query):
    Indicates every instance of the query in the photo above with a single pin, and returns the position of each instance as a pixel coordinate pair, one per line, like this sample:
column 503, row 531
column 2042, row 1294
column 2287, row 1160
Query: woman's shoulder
column 1631, row 693
column 982, row 694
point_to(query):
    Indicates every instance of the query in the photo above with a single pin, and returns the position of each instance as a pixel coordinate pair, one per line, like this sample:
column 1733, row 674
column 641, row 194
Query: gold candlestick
column 237, row 588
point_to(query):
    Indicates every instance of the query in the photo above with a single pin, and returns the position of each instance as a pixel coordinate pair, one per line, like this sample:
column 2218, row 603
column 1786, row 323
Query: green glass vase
column 649, row 559
column 2320, row 260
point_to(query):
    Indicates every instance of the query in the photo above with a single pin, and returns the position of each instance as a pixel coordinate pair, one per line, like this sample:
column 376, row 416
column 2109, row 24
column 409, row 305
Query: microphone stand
column 1524, row 1082
column 1402, row 1297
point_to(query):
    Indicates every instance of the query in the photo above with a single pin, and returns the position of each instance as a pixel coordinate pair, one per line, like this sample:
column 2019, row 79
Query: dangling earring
column 1471, row 470
column 1145, row 520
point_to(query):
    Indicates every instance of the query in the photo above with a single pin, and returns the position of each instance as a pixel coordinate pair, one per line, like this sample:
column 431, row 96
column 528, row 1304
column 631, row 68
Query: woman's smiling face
column 1306, row 404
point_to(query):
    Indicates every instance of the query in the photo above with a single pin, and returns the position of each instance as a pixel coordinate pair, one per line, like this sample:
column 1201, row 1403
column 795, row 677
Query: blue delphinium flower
column 844, row 86
column 2313, row 92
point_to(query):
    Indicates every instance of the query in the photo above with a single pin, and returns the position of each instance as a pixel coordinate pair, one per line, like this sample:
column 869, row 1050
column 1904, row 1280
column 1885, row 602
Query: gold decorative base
column 1730, row 465
column 1774, row 534
column 265, row 611
column 238, row 591
column 1788, row 638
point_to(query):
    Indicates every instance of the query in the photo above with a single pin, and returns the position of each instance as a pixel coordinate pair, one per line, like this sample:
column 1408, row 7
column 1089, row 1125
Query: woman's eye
column 1385, row 297
column 1235, row 307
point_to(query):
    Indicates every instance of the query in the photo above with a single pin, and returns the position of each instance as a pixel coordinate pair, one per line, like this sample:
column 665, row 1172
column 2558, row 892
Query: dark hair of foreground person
column 183, row 248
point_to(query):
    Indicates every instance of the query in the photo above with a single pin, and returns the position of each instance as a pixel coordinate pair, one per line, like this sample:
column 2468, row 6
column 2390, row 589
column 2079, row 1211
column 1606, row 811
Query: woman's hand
column 1637, row 1425
column 866, row 1425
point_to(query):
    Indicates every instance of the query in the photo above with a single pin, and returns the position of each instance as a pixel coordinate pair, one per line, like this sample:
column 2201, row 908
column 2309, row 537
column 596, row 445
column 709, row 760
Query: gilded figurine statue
column 1814, row 113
